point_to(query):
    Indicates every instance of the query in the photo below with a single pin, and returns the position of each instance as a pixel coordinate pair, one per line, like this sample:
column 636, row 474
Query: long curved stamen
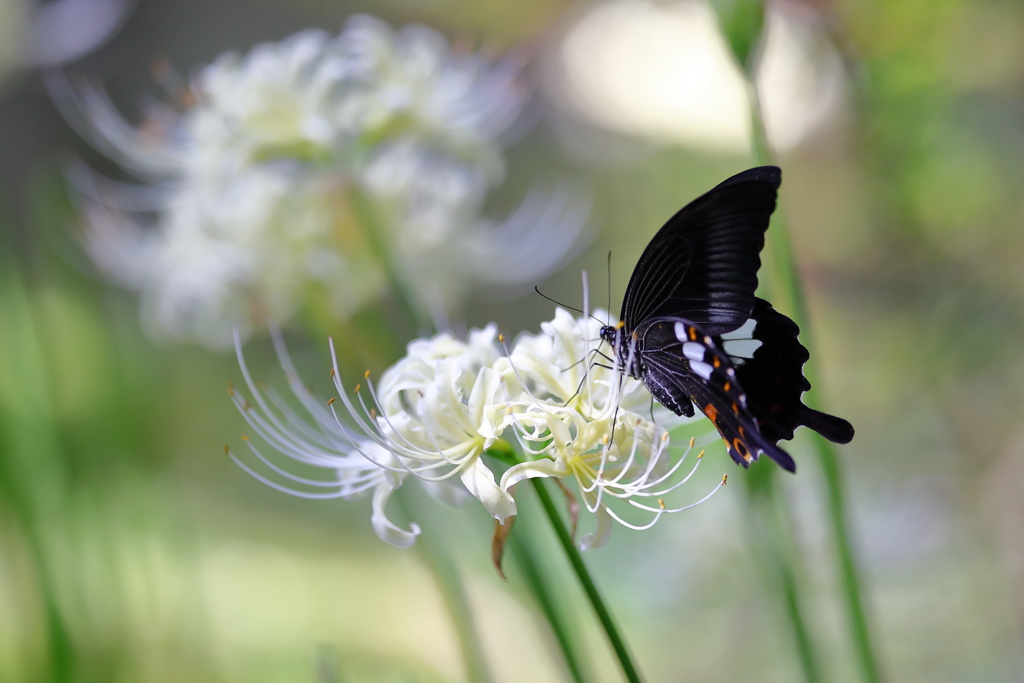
column 687, row 507
column 284, row 489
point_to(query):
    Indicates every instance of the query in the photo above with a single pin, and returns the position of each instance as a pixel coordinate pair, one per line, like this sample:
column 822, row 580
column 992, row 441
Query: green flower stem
column 587, row 583
column 32, row 471
column 535, row 578
column 436, row 557
column 786, row 288
column 375, row 236
column 770, row 534
column 442, row 568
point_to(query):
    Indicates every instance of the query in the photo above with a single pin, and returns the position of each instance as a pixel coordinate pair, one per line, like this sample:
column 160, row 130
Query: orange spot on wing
column 711, row 412
column 741, row 448
column 693, row 334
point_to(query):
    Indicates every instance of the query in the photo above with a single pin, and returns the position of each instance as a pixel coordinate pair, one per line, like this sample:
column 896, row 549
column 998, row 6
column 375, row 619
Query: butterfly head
column 611, row 334
column 625, row 346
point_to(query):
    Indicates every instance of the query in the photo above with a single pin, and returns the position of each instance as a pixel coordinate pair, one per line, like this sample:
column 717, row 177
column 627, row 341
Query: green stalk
column 442, row 568
column 32, row 476
column 587, row 583
column 536, row 578
column 534, row 575
column 438, row 561
column 769, row 531
column 372, row 229
column 787, row 290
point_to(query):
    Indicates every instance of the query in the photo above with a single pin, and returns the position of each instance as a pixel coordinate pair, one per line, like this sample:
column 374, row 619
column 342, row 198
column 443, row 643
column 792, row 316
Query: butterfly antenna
column 609, row 279
column 556, row 301
column 536, row 288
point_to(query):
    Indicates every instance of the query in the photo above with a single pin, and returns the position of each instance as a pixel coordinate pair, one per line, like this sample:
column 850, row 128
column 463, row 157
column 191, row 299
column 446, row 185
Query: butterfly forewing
column 702, row 265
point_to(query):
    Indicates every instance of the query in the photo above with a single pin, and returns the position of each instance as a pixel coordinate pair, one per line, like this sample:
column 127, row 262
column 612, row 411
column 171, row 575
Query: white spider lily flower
column 309, row 170
column 314, row 440
column 438, row 411
column 451, row 411
column 591, row 424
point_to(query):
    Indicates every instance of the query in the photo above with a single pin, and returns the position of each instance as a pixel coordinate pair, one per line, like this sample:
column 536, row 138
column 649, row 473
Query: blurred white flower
column 317, row 165
column 34, row 33
column 451, row 412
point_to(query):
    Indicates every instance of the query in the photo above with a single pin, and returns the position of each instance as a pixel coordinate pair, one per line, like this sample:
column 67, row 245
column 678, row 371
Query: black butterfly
column 694, row 332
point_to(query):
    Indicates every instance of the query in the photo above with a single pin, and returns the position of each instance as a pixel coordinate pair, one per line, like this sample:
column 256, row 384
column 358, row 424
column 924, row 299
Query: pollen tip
column 358, row 387
column 373, row 413
column 661, row 503
column 227, row 451
column 693, row 440
column 245, row 437
column 246, row 406
column 366, row 375
column 700, row 455
column 501, row 338
column 619, row 325
column 725, row 478
column 333, row 373
column 330, row 401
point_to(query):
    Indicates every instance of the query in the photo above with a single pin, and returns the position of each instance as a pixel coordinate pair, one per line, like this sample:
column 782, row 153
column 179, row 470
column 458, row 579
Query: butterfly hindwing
column 769, row 360
column 683, row 366
column 702, row 264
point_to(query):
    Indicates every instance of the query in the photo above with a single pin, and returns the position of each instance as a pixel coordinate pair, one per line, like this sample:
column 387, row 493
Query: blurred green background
column 131, row 549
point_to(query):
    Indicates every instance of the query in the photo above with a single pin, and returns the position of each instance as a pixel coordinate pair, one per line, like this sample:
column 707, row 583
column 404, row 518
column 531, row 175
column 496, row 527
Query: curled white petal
column 385, row 529
column 479, row 481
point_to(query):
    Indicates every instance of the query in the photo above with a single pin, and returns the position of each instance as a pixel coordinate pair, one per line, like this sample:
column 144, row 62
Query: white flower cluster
column 310, row 169
column 452, row 411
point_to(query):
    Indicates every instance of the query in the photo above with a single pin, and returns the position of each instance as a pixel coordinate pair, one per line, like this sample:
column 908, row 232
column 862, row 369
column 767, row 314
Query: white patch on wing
column 744, row 331
column 681, row 332
column 740, row 343
column 693, row 351
column 741, row 348
column 700, row 368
